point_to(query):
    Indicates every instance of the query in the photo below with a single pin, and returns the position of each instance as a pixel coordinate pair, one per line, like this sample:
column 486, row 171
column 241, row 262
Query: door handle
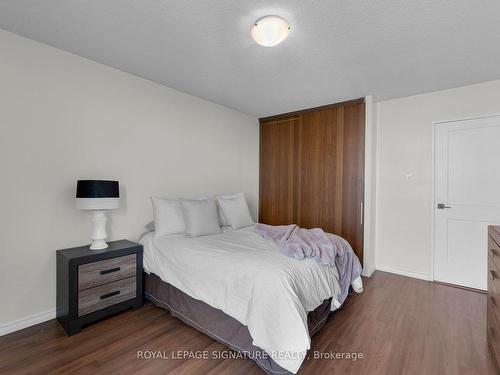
column 442, row 206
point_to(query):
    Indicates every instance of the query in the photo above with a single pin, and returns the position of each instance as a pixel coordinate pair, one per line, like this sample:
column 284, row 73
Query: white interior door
column 467, row 198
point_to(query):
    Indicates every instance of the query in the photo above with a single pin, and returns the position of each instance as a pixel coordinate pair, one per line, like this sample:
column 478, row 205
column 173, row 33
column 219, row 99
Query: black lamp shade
column 97, row 189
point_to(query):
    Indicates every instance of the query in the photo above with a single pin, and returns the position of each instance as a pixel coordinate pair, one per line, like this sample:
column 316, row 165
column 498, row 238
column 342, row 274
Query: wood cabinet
column 312, row 170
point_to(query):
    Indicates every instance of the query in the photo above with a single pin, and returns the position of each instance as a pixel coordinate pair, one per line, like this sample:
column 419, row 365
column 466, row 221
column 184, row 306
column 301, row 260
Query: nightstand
column 92, row 285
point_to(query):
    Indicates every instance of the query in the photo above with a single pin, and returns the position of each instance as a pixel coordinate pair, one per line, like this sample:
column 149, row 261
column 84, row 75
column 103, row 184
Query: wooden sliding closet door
column 319, row 185
column 312, row 170
column 277, row 148
column 353, row 176
column 330, row 176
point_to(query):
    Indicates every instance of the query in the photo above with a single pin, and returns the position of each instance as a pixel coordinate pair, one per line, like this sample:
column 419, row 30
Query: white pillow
column 168, row 216
column 222, row 218
column 234, row 209
column 201, row 216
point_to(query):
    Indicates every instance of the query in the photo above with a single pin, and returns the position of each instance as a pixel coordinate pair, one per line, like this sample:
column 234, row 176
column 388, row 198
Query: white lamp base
column 98, row 245
column 99, row 230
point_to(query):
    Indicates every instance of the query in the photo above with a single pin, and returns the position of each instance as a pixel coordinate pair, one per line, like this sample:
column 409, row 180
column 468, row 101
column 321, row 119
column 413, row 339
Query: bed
column 237, row 288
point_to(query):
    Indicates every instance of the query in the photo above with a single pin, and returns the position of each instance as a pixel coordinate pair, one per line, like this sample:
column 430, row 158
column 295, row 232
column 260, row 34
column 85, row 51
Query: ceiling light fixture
column 269, row 31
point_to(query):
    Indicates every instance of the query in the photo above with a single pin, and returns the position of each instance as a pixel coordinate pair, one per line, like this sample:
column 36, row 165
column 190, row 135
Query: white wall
column 404, row 145
column 64, row 118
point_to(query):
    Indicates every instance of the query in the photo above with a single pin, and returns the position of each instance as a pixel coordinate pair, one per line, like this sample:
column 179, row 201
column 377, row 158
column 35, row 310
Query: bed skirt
column 220, row 326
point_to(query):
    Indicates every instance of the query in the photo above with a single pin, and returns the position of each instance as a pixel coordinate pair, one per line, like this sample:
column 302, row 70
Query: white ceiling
column 337, row 49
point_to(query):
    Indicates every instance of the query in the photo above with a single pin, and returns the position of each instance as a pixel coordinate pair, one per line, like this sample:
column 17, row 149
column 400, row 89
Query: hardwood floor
column 401, row 325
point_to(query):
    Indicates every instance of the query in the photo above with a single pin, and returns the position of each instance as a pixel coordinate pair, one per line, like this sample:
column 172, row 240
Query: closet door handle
column 361, row 213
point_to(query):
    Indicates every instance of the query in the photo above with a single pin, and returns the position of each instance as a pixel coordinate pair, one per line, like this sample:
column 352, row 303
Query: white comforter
column 245, row 276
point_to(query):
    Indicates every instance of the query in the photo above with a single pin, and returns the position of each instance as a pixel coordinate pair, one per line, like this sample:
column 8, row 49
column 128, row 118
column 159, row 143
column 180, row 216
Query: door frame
column 435, row 124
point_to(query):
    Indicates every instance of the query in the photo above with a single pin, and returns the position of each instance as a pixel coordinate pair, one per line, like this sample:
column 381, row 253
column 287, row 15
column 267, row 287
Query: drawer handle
column 115, row 293
column 493, row 302
column 494, row 252
column 110, row 270
column 493, row 275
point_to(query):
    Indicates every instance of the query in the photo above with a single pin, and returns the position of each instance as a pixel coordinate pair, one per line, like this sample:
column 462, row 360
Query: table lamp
column 98, row 196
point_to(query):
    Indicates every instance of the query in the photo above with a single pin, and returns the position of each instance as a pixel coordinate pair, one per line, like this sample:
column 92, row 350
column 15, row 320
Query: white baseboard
column 368, row 271
column 414, row 275
column 16, row 325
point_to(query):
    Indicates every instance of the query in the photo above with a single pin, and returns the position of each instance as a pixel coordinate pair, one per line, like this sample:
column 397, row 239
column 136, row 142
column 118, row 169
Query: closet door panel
column 320, row 170
column 353, row 176
column 277, row 142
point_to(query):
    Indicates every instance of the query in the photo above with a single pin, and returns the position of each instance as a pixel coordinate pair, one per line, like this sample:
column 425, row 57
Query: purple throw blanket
column 325, row 248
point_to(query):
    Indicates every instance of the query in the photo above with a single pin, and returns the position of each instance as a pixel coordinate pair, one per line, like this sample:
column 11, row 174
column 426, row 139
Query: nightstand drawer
column 106, row 271
column 100, row 297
